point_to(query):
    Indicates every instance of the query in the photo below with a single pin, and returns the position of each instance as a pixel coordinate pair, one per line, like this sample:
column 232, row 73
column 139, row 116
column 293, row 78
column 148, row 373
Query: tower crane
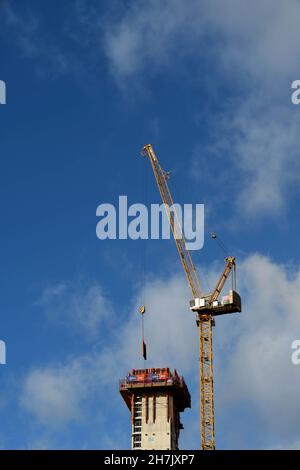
column 206, row 306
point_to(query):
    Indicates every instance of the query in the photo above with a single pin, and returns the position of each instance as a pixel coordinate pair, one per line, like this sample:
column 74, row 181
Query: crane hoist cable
column 143, row 246
column 143, row 260
column 220, row 243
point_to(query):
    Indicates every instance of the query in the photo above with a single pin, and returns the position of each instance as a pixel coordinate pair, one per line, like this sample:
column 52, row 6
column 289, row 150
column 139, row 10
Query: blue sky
column 208, row 83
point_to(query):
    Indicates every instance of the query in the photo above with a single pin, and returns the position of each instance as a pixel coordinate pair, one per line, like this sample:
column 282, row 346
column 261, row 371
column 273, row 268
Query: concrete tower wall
column 155, row 423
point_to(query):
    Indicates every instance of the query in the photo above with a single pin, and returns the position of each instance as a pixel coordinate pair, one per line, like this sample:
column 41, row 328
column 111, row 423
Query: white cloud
column 144, row 36
column 255, row 152
column 54, row 394
column 255, row 49
column 24, row 28
column 292, row 445
column 255, row 367
column 83, row 310
column 261, row 40
column 266, row 152
column 41, row 443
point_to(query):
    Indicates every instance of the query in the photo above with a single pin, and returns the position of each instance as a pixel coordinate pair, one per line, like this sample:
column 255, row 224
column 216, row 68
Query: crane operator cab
column 230, row 303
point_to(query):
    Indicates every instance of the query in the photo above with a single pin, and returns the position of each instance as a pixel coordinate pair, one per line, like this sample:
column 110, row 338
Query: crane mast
column 203, row 305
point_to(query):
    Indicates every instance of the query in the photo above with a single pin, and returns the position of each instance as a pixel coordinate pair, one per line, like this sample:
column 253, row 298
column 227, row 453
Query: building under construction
column 155, row 398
